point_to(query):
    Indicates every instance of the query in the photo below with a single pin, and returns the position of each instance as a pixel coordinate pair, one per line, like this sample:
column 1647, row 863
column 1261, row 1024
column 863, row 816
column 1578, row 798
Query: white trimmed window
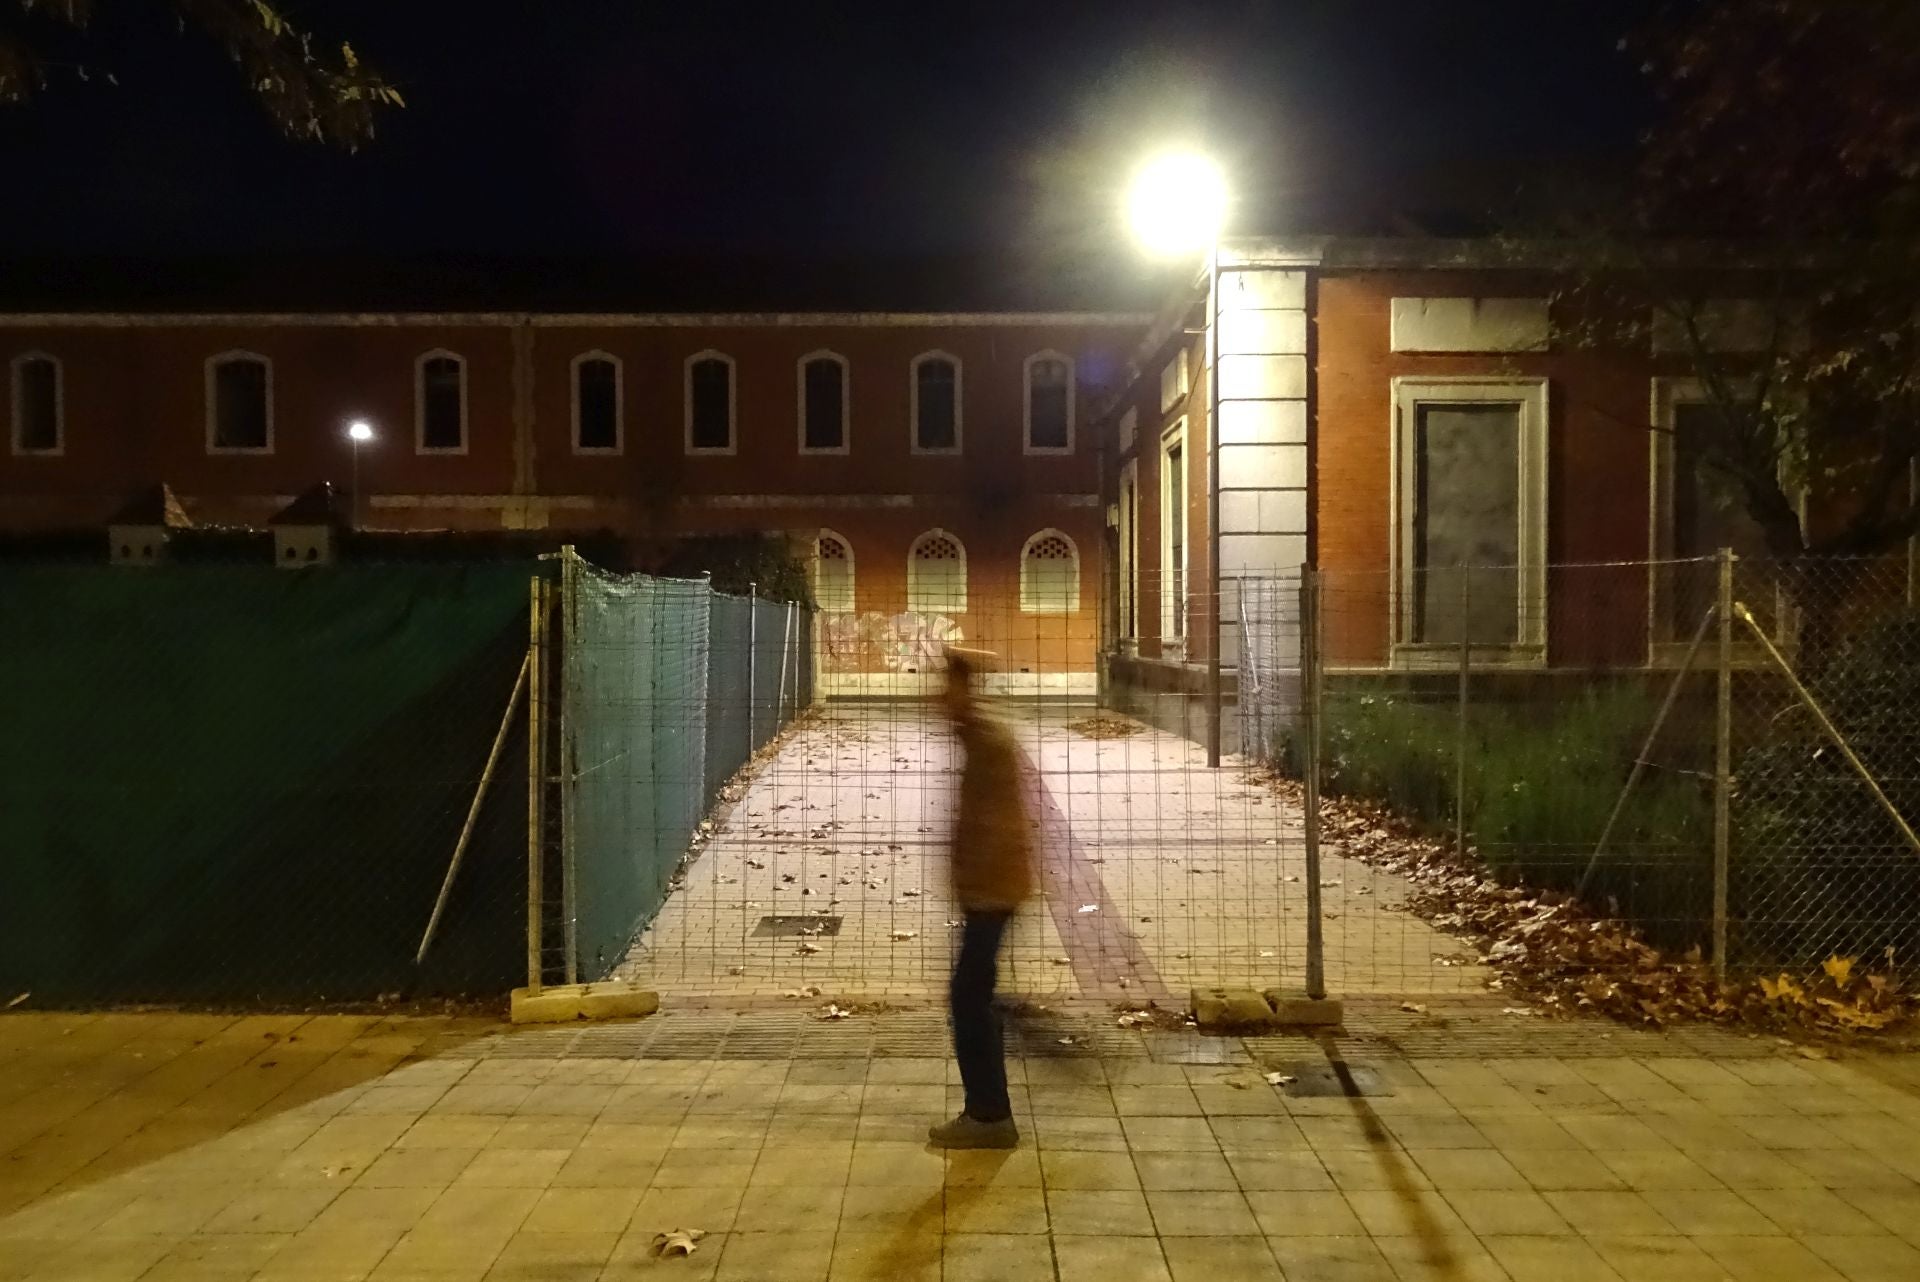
column 1696, row 511
column 1173, row 535
column 1470, row 496
column 239, row 395
column 822, row 396
column 1049, row 574
column 833, row 576
column 710, row 403
column 1049, row 403
column 38, row 404
column 935, row 410
column 1173, row 380
column 440, row 402
column 599, row 404
column 937, row 574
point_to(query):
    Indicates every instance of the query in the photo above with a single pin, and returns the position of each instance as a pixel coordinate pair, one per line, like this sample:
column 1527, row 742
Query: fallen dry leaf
column 1280, row 1079
column 1413, row 1008
column 678, row 1242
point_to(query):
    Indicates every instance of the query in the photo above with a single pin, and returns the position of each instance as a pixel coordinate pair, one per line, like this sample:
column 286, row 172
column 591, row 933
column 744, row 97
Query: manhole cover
column 1323, row 1079
column 798, row 924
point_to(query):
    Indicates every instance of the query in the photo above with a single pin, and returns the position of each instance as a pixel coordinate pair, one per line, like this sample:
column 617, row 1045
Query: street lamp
column 359, row 432
column 1176, row 207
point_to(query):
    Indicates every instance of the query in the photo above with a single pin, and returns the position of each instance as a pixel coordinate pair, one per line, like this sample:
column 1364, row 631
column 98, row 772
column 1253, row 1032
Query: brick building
column 936, row 466
column 1408, row 417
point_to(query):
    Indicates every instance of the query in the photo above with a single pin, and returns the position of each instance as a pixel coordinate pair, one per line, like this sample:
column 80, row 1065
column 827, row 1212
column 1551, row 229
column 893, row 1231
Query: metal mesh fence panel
column 669, row 689
column 729, row 674
column 635, row 769
column 1718, row 753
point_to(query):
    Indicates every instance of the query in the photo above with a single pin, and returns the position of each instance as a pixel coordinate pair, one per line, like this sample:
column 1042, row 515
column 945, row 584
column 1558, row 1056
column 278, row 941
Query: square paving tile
column 996, row 1257
column 1201, row 1214
column 1110, row 1259
column 1215, row 1257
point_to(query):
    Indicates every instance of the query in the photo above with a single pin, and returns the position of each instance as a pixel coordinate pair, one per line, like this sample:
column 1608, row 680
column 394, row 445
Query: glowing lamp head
column 1177, row 204
column 360, row 431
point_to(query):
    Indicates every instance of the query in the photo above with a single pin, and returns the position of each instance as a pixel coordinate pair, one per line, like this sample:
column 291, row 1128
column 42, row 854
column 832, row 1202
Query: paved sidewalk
column 162, row 1147
column 1158, row 874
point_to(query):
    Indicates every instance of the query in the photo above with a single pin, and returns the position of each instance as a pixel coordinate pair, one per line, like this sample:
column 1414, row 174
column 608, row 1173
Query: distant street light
column 359, row 432
column 1176, row 207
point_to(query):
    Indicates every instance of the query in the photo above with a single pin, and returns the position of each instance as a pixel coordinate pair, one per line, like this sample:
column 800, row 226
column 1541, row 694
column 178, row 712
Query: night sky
column 645, row 128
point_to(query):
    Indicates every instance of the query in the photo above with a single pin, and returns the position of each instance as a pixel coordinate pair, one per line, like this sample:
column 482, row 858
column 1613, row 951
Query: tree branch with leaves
column 314, row 91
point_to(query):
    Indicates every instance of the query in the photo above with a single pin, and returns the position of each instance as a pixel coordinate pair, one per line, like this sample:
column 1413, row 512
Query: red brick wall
column 135, row 415
column 1597, row 452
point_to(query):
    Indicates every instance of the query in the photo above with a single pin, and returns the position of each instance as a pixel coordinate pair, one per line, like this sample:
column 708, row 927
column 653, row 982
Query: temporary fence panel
column 634, row 763
column 245, row 785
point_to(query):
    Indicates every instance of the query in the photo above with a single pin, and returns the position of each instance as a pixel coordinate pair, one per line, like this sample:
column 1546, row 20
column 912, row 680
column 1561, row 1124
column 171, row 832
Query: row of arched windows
column 239, row 403
column 937, row 574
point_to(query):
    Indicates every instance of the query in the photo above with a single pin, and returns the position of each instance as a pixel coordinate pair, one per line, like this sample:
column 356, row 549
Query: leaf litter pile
column 1548, row 949
column 1105, row 726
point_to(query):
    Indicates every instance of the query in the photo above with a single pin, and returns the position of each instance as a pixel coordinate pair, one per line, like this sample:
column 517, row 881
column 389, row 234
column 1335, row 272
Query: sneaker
column 967, row 1132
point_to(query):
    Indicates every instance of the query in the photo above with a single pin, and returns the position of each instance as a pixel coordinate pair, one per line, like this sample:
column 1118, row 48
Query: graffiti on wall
column 874, row 642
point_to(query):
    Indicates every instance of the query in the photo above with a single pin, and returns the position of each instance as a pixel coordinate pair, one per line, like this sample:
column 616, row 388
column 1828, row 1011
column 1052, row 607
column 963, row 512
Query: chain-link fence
column 662, row 689
column 1722, row 752
column 234, row 784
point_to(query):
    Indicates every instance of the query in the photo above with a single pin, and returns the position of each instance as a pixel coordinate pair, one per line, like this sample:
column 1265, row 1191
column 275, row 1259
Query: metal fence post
column 786, row 644
column 1723, row 765
column 1310, row 821
column 569, row 892
column 536, row 771
column 753, row 661
column 1460, row 730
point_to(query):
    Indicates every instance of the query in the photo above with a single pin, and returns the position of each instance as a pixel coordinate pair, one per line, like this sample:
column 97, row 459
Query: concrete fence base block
column 563, row 1003
column 1229, row 1008
column 1296, row 1010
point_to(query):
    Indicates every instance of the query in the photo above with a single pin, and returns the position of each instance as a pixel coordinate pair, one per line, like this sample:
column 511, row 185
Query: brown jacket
column 993, row 834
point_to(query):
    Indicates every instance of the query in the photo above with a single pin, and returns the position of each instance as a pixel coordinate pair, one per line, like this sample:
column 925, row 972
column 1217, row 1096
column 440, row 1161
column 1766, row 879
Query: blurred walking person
column 993, row 874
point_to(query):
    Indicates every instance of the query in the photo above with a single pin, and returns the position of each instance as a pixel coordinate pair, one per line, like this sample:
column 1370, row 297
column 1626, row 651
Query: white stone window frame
column 1530, row 395
column 619, row 445
column 420, row 445
column 846, row 403
column 1173, row 604
column 915, row 596
column 1666, row 395
column 16, row 402
column 959, row 404
column 1026, row 403
column 209, row 392
column 1176, row 380
column 1030, row 602
column 852, row 576
column 733, row 403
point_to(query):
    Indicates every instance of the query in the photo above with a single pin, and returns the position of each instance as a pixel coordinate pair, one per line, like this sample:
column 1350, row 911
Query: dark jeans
column 976, row 1026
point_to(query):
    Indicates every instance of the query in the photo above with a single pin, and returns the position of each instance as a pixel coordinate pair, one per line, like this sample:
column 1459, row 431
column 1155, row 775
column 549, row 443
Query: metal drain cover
column 798, row 924
column 1321, row 1079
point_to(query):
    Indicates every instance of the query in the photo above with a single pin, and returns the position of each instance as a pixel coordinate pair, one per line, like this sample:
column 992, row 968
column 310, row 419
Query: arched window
column 239, row 404
column 937, row 574
column 1049, row 574
column 936, row 403
column 710, row 403
column 38, row 404
column 833, row 579
column 597, row 396
column 440, row 403
column 1049, row 377
column 823, row 403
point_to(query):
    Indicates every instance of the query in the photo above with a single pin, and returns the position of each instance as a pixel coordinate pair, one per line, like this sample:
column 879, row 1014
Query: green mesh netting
column 240, row 784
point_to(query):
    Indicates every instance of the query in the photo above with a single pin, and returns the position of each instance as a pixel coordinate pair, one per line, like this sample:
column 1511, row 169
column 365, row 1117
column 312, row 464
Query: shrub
column 1543, row 776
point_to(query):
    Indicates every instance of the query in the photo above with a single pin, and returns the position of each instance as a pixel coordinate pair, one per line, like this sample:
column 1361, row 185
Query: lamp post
column 1176, row 206
column 359, row 432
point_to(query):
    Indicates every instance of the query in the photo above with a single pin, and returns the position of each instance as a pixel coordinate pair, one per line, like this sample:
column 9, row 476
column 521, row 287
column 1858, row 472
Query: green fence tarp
column 226, row 783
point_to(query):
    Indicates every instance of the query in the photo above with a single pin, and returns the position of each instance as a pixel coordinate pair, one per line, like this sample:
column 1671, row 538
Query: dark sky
column 644, row 127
